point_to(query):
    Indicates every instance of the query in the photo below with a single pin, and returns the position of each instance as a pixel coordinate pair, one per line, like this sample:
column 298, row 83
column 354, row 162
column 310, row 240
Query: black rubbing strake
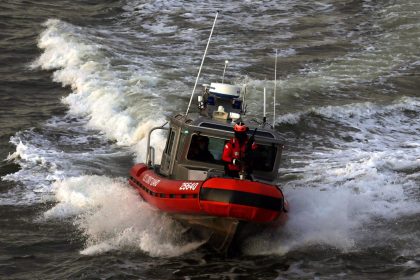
column 242, row 198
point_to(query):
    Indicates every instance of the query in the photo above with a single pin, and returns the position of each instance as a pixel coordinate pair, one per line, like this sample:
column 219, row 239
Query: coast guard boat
column 190, row 183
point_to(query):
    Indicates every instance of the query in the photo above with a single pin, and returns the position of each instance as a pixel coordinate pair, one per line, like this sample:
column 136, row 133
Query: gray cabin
column 195, row 142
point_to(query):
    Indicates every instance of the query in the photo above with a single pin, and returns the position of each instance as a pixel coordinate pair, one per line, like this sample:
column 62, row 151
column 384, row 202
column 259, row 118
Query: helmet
column 240, row 127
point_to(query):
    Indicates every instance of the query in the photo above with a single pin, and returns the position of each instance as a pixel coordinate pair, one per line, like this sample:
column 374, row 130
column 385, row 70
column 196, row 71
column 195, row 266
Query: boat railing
column 150, row 152
column 151, row 157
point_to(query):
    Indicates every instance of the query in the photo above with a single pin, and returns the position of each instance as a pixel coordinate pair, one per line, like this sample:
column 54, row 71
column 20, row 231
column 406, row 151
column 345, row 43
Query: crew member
column 237, row 152
column 199, row 149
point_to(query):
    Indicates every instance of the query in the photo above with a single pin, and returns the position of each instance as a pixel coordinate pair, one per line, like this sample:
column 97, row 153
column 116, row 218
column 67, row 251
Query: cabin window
column 206, row 149
column 210, row 149
column 181, row 146
column 264, row 157
column 170, row 142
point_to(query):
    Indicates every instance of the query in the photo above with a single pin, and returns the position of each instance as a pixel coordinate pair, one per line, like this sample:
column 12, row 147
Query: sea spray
column 112, row 217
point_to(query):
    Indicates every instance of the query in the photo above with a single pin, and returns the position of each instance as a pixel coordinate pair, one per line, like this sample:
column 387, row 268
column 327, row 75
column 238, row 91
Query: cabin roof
column 205, row 124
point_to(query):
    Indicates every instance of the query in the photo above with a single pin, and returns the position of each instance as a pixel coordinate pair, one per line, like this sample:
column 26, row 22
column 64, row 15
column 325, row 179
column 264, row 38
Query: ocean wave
column 354, row 113
column 101, row 94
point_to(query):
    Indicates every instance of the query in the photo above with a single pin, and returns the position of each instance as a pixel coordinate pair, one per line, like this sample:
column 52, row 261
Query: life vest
column 234, row 150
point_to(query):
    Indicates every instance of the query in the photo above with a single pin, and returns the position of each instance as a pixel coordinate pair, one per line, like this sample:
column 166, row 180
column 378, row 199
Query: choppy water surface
column 83, row 81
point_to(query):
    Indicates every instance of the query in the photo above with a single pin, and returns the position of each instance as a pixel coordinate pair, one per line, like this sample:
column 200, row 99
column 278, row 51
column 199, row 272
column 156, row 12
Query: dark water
column 82, row 82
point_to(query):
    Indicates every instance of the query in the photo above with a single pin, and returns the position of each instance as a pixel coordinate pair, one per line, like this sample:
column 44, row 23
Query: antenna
column 275, row 86
column 264, row 113
column 224, row 70
column 243, row 100
column 201, row 66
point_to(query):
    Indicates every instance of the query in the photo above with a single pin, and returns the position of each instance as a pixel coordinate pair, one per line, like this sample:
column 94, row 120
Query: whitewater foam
column 343, row 188
column 334, row 215
column 340, row 189
column 102, row 94
column 112, row 217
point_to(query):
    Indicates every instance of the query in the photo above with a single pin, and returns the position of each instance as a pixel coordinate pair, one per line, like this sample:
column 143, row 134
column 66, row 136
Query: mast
column 201, row 66
column 264, row 112
column 275, row 86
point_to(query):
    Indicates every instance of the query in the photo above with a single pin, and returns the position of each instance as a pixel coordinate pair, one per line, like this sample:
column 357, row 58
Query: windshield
column 206, row 149
column 210, row 149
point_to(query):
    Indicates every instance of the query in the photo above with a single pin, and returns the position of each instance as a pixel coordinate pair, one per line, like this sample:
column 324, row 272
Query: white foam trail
column 106, row 99
column 112, row 217
column 102, row 94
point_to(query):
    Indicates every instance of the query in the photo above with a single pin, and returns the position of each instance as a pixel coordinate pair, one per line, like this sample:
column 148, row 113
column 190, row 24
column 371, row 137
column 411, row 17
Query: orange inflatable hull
column 242, row 200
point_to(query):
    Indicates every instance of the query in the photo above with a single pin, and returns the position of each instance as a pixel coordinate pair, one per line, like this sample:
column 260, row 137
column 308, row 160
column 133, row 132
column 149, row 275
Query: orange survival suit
column 235, row 150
